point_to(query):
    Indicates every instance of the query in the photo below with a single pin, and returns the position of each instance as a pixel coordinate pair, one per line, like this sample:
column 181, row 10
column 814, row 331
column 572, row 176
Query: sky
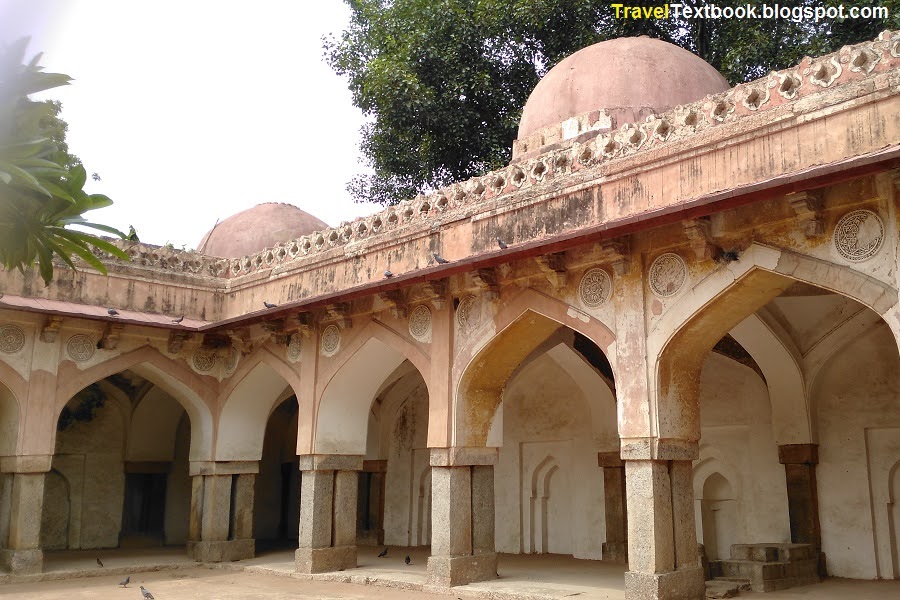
column 191, row 111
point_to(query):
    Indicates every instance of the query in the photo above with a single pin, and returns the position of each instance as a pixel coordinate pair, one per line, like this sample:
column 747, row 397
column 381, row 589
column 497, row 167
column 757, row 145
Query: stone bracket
column 435, row 292
column 110, row 339
column 395, row 302
column 699, row 234
column 553, row 266
column 485, row 280
column 615, row 252
column 339, row 314
column 808, row 208
column 50, row 331
column 305, row 323
column 176, row 341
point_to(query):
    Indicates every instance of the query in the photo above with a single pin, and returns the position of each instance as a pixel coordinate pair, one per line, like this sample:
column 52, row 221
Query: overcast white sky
column 194, row 110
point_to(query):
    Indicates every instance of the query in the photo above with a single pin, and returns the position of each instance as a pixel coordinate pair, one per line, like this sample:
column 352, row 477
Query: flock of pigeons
column 387, row 275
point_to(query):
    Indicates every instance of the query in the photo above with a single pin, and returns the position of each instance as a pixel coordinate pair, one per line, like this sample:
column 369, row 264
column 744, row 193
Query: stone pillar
column 221, row 520
column 800, row 462
column 328, row 489
column 663, row 562
column 462, row 522
column 615, row 548
column 22, row 552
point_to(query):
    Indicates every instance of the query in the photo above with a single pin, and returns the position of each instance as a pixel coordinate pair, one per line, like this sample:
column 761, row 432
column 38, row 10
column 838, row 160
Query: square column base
column 448, row 571
column 684, row 584
column 222, row 551
column 615, row 552
column 22, row 562
column 325, row 560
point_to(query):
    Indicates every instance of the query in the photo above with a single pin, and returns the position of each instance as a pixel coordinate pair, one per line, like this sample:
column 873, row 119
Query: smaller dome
column 257, row 228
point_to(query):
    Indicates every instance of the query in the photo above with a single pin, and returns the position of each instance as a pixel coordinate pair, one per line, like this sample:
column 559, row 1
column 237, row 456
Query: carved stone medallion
column 12, row 339
column 204, row 359
column 331, row 340
column 465, row 313
column 80, row 348
column 667, row 274
column 859, row 235
column 295, row 344
column 595, row 288
column 420, row 323
column 231, row 359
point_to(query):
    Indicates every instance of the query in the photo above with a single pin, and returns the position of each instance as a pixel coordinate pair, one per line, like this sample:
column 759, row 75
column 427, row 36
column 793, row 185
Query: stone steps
column 770, row 567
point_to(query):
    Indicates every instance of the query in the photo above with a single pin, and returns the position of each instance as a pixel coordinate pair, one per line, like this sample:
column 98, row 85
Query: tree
column 444, row 81
column 41, row 184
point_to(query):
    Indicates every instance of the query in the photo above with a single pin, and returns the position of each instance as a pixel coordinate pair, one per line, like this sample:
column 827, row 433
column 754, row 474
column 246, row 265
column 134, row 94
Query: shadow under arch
column 9, row 419
column 684, row 336
column 349, row 386
column 248, row 399
column 522, row 325
column 196, row 395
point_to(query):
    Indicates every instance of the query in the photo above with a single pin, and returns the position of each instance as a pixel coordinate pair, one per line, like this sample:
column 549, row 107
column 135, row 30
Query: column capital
column 659, row 449
column 798, row 454
column 34, row 463
column 231, row 467
column 464, row 457
column 331, row 462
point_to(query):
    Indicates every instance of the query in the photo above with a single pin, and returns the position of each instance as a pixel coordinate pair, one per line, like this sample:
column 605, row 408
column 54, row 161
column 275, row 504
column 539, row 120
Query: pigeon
column 388, row 274
column 146, row 593
column 125, row 582
column 269, row 304
column 503, row 245
column 439, row 259
column 383, row 553
column 179, row 319
column 407, row 560
column 99, row 563
column 112, row 312
column 95, row 176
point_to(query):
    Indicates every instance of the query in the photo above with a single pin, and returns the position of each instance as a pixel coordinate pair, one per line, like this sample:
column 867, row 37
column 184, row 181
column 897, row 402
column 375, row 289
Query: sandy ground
column 209, row 584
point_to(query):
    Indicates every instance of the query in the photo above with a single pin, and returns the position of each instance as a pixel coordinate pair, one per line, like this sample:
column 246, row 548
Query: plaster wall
column 857, row 398
column 738, row 443
column 547, row 478
column 9, row 421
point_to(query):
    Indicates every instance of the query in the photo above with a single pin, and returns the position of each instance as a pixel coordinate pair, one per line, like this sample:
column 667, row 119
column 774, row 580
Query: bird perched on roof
column 407, row 560
column 439, row 259
column 179, row 319
column 112, row 312
column 125, row 582
column 146, row 593
column 383, row 553
column 388, row 274
column 99, row 563
column 269, row 304
column 503, row 245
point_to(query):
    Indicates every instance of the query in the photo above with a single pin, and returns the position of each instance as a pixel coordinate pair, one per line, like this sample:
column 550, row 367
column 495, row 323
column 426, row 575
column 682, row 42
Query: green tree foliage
column 41, row 184
column 443, row 82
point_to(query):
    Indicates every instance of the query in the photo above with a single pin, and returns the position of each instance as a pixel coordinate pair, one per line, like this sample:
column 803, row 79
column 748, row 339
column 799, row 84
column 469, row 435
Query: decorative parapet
column 584, row 148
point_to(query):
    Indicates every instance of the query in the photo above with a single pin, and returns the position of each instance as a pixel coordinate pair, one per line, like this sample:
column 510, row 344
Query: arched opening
column 119, row 473
column 803, row 476
column 544, row 394
column 277, row 488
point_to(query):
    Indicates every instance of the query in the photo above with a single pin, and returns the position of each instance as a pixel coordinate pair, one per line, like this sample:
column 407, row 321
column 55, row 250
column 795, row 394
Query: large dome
column 628, row 77
column 257, row 228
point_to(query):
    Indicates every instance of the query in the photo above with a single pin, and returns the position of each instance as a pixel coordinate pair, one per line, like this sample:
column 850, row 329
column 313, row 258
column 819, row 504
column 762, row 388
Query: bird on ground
column 388, row 274
column 383, row 553
column 99, row 563
column 125, row 582
column 269, row 304
column 407, row 560
column 179, row 319
column 503, row 245
column 112, row 312
column 146, row 593
column 439, row 259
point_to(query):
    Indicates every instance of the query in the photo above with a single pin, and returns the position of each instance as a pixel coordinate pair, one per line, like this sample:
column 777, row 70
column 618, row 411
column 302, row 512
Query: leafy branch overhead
column 41, row 184
column 444, row 81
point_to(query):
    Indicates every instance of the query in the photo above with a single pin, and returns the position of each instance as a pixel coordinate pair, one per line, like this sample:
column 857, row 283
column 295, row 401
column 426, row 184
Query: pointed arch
column 483, row 368
column 682, row 338
column 348, row 386
column 247, row 401
column 197, row 394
